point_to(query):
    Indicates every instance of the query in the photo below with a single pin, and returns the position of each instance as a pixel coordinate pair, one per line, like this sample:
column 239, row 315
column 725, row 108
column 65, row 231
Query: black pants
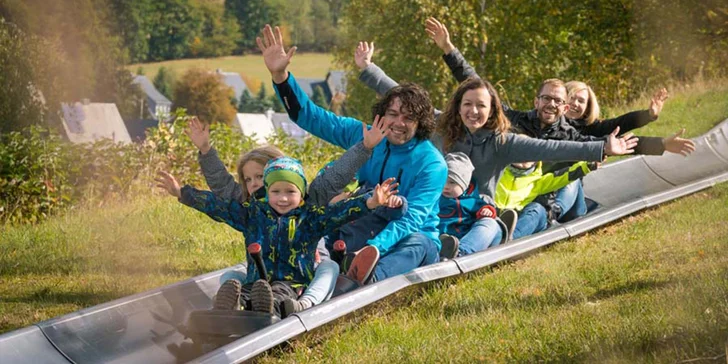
column 281, row 291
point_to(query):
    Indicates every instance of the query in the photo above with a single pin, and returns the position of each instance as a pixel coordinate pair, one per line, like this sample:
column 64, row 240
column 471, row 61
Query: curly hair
column 260, row 155
column 450, row 126
column 416, row 100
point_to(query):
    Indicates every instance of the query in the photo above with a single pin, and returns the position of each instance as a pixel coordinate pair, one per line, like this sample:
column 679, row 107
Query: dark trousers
column 281, row 291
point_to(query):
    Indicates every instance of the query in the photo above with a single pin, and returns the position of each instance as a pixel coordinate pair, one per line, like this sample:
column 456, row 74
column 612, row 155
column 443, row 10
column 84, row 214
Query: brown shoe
column 362, row 266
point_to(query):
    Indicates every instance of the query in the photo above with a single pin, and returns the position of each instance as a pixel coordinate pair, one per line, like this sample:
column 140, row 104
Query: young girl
column 286, row 227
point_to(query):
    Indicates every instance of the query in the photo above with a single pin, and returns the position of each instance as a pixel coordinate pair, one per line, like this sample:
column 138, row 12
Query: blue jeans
column 319, row 290
column 482, row 235
column 415, row 250
column 323, row 282
column 531, row 220
column 571, row 200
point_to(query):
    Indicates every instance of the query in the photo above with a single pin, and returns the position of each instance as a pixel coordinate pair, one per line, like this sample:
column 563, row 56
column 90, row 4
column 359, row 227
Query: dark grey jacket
column 566, row 129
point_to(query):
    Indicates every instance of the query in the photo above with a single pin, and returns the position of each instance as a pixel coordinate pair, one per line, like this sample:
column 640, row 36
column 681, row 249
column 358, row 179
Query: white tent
column 89, row 122
column 257, row 124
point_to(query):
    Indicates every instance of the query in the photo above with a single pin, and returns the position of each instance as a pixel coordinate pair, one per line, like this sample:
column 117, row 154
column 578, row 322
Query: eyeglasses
column 547, row 99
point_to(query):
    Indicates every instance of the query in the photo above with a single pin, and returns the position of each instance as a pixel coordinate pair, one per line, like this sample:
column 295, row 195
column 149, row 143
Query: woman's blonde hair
column 259, row 155
column 450, row 126
column 591, row 113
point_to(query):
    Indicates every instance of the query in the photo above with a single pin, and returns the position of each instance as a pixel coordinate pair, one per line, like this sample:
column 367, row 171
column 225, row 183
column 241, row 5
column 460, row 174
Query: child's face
column 283, row 197
column 452, row 189
column 253, row 172
column 523, row 165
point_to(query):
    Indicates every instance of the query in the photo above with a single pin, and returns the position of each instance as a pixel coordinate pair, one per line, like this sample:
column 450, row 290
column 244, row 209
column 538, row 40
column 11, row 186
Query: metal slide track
column 141, row 328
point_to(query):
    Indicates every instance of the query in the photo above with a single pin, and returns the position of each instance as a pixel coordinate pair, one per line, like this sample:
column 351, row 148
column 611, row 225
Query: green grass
column 306, row 65
column 648, row 288
column 652, row 287
column 98, row 254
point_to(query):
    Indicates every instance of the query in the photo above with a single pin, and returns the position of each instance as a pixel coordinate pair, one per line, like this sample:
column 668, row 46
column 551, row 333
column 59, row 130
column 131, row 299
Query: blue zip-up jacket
column 457, row 215
column 418, row 166
column 288, row 242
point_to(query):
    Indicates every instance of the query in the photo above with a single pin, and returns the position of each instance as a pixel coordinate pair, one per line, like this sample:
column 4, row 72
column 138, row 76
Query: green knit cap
column 285, row 169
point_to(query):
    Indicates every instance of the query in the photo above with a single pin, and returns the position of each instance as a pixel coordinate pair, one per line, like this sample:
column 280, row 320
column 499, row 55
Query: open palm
column 275, row 57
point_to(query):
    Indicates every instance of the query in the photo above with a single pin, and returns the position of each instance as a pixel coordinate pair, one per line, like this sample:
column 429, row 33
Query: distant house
column 138, row 128
column 281, row 121
column 88, row 122
column 235, row 82
column 258, row 124
column 336, row 82
column 308, row 85
column 157, row 104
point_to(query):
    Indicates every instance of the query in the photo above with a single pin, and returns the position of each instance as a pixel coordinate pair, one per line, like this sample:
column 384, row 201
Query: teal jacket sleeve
column 421, row 200
column 338, row 130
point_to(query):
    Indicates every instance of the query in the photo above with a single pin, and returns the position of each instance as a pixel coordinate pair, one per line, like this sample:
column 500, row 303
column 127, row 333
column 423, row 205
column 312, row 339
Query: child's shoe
column 261, row 297
column 362, row 266
column 510, row 219
column 450, row 246
column 228, row 296
column 291, row 306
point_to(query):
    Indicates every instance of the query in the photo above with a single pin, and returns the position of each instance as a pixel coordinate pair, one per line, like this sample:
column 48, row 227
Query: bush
column 41, row 174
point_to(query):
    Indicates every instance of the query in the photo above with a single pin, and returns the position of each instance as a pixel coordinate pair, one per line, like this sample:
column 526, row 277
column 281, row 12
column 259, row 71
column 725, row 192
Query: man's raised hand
column 375, row 134
column 274, row 55
column 363, row 54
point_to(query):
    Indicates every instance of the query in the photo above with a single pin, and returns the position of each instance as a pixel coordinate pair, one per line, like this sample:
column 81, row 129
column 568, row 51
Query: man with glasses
column 547, row 120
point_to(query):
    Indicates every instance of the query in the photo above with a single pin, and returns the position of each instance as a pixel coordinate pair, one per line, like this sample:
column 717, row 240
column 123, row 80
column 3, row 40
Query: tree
column 217, row 34
column 88, row 55
column 173, row 26
column 164, row 81
column 252, row 15
column 203, row 94
column 29, row 94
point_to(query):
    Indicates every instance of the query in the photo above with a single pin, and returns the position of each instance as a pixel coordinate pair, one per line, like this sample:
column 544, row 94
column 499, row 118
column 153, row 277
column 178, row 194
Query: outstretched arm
column 459, row 67
column 230, row 212
column 334, row 179
column 324, row 124
column 220, row 181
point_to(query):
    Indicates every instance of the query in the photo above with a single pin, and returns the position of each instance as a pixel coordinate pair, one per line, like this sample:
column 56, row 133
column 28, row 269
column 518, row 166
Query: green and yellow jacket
column 517, row 188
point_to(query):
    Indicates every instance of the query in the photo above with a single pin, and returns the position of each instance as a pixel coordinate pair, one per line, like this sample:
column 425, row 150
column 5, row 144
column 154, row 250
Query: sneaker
column 510, row 218
column 291, row 306
column 362, row 266
column 450, row 245
column 228, row 296
column 261, row 297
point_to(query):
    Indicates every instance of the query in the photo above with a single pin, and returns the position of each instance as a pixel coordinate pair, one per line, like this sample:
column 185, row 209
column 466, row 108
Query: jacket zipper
column 386, row 157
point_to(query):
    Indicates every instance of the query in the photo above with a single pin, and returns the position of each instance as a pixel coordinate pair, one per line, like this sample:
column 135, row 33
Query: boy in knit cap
column 467, row 219
column 285, row 226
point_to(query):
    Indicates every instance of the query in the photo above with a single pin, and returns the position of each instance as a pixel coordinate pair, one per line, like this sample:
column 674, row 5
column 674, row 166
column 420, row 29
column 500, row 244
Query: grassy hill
column 652, row 287
column 307, row 65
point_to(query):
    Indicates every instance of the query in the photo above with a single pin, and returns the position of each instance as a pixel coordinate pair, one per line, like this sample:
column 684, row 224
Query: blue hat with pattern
column 285, row 169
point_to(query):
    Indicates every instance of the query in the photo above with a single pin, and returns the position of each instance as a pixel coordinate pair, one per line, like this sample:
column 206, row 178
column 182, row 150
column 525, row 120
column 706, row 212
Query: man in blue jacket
column 406, row 154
